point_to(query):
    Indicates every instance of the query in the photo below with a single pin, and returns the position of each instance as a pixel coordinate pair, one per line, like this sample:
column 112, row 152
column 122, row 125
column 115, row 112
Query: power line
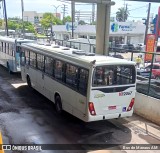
column 136, row 17
column 138, row 8
column 134, row 9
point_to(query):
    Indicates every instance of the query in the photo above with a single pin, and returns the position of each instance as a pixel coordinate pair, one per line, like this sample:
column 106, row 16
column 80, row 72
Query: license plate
column 111, row 107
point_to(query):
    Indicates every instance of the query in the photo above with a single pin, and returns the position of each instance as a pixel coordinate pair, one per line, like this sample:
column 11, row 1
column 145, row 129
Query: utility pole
column 64, row 11
column 93, row 13
column 5, row 13
column 56, row 7
column 73, row 17
column 22, row 6
column 124, row 11
column 147, row 23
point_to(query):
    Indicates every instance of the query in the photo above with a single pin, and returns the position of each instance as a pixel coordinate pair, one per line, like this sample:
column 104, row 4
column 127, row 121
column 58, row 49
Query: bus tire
column 58, row 104
column 29, row 81
column 8, row 67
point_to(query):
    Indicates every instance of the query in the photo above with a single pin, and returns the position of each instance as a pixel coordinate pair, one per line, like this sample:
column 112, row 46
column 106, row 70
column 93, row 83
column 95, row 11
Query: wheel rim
column 58, row 105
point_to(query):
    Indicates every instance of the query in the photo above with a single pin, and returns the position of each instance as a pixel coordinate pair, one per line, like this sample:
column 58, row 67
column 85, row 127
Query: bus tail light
column 91, row 108
column 131, row 105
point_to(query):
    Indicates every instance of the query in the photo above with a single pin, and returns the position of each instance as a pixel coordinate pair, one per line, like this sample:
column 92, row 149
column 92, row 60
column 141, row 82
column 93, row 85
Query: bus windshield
column 114, row 75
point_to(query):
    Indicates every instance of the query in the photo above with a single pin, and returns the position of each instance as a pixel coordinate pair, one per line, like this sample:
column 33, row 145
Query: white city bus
column 88, row 86
column 10, row 52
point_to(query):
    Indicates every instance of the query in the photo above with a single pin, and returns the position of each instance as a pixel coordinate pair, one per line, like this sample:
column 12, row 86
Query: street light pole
column 5, row 13
column 147, row 23
column 56, row 7
column 22, row 6
column 73, row 17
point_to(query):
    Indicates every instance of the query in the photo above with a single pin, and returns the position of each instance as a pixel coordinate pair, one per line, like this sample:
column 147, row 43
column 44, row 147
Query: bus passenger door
column 81, row 95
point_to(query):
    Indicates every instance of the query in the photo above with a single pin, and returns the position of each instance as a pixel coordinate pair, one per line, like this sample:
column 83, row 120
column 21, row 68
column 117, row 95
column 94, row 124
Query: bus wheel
column 58, row 104
column 8, row 67
column 29, row 82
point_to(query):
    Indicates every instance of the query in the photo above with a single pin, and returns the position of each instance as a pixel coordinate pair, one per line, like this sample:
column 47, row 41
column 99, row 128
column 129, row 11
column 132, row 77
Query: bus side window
column 40, row 62
column 2, row 46
column 58, row 70
column 49, row 65
column 27, row 57
column 33, row 59
column 83, row 81
column 9, row 52
column 6, row 48
column 71, row 75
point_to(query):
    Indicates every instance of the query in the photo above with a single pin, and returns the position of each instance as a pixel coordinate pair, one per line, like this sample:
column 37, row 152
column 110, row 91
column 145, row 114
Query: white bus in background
column 88, row 86
column 10, row 52
column 88, row 45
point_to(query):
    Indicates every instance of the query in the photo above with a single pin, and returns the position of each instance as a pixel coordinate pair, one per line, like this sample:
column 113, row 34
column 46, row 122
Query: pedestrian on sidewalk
column 138, row 61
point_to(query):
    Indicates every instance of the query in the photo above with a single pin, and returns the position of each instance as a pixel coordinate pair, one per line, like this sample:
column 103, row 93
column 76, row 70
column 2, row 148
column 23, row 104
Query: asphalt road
column 27, row 117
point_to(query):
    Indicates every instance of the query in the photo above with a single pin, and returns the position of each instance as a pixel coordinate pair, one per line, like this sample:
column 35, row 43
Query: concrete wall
column 147, row 107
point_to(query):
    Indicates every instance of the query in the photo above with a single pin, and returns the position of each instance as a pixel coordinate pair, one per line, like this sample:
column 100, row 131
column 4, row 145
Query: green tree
column 14, row 19
column 67, row 19
column 29, row 27
column 17, row 25
column 58, row 21
column 81, row 22
column 13, row 25
column 47, row 20
column 1, row 22
column 122, row 14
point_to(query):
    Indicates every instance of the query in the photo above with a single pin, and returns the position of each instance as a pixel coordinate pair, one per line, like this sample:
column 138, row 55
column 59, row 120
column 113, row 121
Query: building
column 120, row 32
column 35, row 18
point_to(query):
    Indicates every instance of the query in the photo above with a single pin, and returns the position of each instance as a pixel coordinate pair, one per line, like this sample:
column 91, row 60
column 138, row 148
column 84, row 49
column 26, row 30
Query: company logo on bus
column 125, row 93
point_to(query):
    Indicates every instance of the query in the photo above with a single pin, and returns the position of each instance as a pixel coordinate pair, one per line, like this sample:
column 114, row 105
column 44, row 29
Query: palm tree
column 122, row 14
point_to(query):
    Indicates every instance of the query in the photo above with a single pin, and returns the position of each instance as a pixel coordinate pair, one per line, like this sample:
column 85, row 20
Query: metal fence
column 76, row 45
column 148, row 72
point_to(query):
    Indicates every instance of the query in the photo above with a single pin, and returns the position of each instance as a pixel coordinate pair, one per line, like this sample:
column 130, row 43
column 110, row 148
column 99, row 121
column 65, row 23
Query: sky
column 138, row 10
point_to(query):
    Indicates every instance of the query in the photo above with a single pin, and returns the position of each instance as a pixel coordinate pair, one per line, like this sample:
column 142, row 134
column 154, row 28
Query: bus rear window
column 114, row 75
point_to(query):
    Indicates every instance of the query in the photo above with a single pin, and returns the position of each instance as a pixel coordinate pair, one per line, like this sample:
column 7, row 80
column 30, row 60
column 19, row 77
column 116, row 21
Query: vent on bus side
column 79, row 52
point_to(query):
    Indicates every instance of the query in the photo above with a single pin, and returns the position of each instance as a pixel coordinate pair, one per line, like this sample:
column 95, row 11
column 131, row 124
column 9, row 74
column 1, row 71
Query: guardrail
column 76, row 45
column 148, row 78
